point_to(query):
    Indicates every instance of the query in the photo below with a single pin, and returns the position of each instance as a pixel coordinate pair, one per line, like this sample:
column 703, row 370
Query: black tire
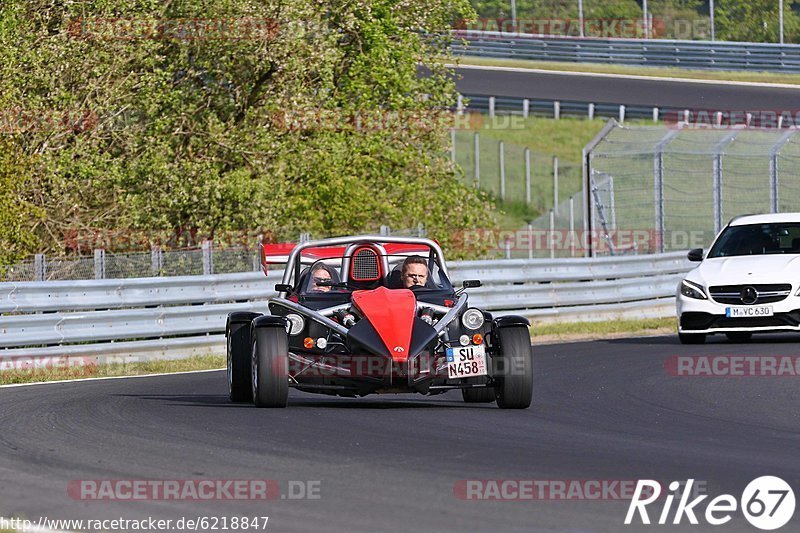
column 514, row 389
column 240, row 382
column 484, row 395
column 692, row 338
column 270, row 367
column 739, row 336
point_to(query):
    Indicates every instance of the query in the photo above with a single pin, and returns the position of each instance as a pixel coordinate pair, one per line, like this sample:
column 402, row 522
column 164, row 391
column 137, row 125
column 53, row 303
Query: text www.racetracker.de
column 198, row 523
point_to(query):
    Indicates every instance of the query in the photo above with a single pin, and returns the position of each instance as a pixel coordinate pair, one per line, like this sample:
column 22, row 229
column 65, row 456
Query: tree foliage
column 135, row 121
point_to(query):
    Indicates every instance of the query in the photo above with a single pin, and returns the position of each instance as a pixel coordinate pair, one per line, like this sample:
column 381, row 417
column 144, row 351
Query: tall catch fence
column 676, row 188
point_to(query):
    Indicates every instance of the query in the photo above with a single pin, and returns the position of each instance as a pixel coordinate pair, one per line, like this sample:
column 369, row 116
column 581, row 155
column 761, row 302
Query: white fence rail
column 167, row 315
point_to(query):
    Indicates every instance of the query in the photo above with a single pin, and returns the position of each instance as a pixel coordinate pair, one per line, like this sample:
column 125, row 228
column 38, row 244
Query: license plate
column 466, row 361
column 756, row 310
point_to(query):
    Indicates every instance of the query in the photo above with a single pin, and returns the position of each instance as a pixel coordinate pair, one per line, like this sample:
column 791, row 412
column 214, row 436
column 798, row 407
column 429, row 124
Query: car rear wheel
column 270, row 367
column 739, row 336
column 478, row 395
column 692, row 338
column 238, row 356
column 514, row 389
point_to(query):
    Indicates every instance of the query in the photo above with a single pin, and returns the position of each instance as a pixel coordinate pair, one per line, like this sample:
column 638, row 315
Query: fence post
column 527, row 176
column 502, row 171
column 718, row 179
column 530, row 240
column 477, row 160
column 555, row 184
column 526, row 108
column 491, row 106
column 385, row 231
column 551, row 240
column 453, row 145
column 39, row 267
column 99, row 264
column 420, row 230
column 773, row 170
column 208, row 258
column 507, row 245
column 658, row 186
column 460, row 105
column 556, row 110
column 156, row 260
column 305, row 237
column 591, row 111
column 571, row 226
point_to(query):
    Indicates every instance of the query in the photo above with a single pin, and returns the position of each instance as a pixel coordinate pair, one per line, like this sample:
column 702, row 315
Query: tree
column 173, row 116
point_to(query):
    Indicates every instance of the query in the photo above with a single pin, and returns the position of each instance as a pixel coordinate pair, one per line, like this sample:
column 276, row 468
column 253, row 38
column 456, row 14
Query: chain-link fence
column 675, row 188
column 157, row 262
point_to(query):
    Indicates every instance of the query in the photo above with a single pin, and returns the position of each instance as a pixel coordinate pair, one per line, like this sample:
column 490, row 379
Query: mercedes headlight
column 295, row 325
column 472, row 319
column 693, row 290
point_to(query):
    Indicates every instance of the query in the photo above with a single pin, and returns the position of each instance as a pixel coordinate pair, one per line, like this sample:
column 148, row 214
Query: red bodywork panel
column 391, row 312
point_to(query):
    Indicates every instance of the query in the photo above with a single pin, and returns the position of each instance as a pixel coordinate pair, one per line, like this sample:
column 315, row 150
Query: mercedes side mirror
column 695, row 255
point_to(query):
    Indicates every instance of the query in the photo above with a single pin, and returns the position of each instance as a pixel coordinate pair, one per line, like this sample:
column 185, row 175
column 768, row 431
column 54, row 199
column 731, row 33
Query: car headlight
column 693, row 290
column 295, row 325
column 472, row 319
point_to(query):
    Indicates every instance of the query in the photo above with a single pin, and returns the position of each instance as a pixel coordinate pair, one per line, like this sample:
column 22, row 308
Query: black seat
column 395, row 280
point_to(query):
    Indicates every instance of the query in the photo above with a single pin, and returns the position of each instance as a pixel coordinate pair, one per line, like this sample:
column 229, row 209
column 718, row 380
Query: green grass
column 599, row 329
column 201, row 362
column 545, row 138
column 665, row 72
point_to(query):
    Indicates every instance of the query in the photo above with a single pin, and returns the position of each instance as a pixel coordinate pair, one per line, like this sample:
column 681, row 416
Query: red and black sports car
column 370, row 315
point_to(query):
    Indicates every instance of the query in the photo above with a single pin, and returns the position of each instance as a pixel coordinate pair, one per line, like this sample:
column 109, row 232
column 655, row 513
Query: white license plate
column 756, row 310
column 466, row 361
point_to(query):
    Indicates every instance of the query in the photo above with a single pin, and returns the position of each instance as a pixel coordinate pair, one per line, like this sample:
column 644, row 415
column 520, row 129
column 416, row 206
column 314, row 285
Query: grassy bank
column 203, row 362
column 574, row 331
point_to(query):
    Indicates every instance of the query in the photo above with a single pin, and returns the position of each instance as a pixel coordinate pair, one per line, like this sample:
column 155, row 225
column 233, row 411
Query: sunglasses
column 319, row 280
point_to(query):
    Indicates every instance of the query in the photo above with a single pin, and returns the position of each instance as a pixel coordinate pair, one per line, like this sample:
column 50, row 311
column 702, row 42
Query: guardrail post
column 502, row 171
column 305, row 237
column 99, row 264
column 460, row 105
column 556, row 109
column 555, row 184
column 208, row 258
column 477, row 160
column 527, row 176
column 591, row 111
column 491, row 106
column 526, row 108
column 421, row 230
column 156, row 260
column 655, row 114
column 39, row 267
column 621, row 114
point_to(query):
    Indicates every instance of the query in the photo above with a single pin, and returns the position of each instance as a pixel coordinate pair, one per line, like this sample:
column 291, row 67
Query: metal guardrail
column 162, row 314
column 713, row 55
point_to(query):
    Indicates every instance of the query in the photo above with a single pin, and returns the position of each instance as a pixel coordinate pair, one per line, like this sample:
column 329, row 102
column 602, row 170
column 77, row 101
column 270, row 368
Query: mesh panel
column 365, row 265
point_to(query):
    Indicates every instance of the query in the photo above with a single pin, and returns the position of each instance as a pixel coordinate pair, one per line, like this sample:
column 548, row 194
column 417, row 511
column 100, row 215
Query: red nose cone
column 391, row 313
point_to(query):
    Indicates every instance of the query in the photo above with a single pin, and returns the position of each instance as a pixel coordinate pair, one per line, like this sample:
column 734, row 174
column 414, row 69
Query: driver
column 414, row 272
column 320, row 273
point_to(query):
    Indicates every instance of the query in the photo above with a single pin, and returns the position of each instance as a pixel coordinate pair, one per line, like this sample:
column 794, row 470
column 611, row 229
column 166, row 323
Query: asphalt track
column 622, row 90
column 606, row 410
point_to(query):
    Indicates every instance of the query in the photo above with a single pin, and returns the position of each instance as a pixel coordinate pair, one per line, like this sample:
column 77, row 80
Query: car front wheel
column 270, row 367
column 514, row 389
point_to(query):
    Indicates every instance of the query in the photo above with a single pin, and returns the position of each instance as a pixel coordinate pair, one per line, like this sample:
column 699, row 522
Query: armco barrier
column 715, row 55
column 167, row 316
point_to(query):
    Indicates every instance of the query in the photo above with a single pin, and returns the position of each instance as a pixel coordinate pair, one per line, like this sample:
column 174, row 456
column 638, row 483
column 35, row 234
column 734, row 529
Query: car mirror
column 695, row 255
column 283, row 287
column 471, row 283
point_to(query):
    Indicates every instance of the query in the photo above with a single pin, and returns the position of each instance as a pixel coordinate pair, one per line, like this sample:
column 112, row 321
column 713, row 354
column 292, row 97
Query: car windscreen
column 758, row 239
